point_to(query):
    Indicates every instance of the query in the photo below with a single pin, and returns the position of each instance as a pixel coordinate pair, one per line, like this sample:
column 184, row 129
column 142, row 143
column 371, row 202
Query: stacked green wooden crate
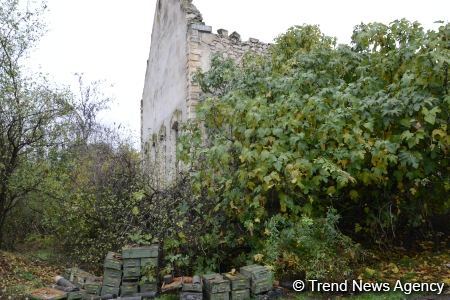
column 131, row 275
column 76, row 295
column 191, row 288
column 93, row 288
column 261, row 278
column 216, row 287
column 91, row 297
column 112, row 275
column 140, row 270
column 240, row 286
column 149, row 273
column 78, row 276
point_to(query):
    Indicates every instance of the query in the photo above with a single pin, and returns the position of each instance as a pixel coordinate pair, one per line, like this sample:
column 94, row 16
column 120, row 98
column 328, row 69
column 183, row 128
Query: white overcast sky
column 110, row 39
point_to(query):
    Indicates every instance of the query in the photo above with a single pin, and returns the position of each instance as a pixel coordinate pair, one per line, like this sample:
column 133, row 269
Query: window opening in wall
column 146, row 148
column 175, row 141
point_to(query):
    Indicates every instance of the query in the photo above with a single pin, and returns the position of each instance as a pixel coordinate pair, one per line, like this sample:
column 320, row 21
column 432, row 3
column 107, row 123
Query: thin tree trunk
column 2, row 225
column 2, row 211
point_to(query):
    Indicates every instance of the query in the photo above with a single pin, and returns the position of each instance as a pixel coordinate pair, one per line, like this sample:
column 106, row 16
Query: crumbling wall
column 203, row 44
column 181, row 45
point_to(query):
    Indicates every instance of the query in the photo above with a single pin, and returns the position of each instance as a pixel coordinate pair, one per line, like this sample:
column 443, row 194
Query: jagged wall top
column 193, row 15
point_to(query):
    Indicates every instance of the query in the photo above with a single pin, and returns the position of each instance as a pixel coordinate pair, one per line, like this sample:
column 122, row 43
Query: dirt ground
column 20, row 274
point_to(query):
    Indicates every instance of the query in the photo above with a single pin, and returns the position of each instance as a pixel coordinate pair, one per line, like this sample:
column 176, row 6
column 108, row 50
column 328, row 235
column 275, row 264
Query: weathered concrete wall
column 181, row 44
column 164, row 96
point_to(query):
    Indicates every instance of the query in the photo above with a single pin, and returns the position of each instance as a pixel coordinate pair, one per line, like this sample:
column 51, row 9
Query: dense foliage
column 63, row 176
column 315, row 247
column 30, row 110
column 313, row 125
column 295, row 155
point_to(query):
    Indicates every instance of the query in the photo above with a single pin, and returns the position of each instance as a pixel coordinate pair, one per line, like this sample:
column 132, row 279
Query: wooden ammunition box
column 149, row 261
column 191, row 296
column 131, row 272
column 112, row 278
column 109, row 290
column 111, row 273
column 238, row 281
column 140, row 252
column 131, row 263
column 261, row 286
column 136, row 278
column 78, row 295
column 218, row 296
column 216, row 283
column 189, row 286
column 129, row 288
column 93, row 288
column 112, row 282
column 261, row 279
column 240, row 294
column 256, row 272
column 148, row 287
column 113, row 261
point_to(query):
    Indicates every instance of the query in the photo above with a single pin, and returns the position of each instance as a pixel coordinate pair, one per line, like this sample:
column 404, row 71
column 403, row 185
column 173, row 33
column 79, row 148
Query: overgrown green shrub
column 360, row 128
column 313, row 248
column 96, row 213
column 197, row 237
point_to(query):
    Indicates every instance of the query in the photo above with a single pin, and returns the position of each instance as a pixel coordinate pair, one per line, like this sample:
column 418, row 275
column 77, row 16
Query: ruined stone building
column 181, row 44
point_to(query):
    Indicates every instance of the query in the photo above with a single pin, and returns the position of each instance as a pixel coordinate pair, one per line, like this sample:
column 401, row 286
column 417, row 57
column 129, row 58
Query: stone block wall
column 181, row 45
column 203, row 44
